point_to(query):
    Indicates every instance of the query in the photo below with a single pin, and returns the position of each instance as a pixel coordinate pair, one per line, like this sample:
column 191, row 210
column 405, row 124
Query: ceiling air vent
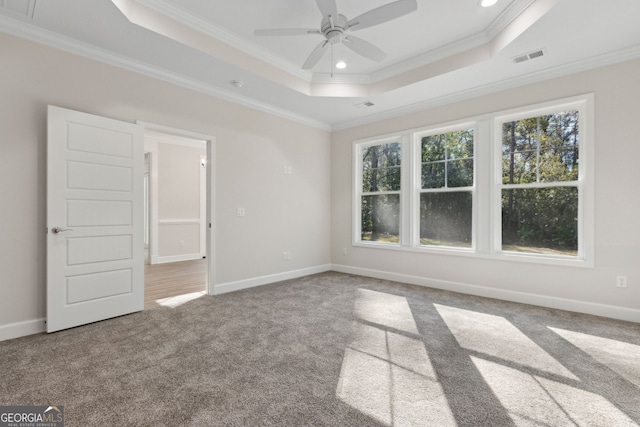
column 365, row 104
column 527, row 56
column 521, row 58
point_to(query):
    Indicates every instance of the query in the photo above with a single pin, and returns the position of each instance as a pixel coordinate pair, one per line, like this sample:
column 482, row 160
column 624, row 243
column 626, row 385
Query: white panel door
column 95, row 264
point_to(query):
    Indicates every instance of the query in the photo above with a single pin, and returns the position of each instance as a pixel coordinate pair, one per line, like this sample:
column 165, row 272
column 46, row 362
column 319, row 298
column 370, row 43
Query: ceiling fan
column 336, row 28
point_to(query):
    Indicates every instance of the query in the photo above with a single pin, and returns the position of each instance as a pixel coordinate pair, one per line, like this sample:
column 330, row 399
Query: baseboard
column 21, row 329
column 175, row 258
column 36, row 326
column 265, row 280
column 611, row 311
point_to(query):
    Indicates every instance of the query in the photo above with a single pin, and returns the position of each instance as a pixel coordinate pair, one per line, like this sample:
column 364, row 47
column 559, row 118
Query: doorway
column 179, row 201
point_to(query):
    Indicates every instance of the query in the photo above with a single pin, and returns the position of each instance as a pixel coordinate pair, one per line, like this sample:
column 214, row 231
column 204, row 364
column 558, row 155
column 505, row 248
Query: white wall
column 179, row 194
column 309, row 212
column 617, row 212
column 283, row 212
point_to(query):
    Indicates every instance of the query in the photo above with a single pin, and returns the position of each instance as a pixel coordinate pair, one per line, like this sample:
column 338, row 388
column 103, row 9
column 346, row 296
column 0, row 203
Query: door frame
column 210, row 190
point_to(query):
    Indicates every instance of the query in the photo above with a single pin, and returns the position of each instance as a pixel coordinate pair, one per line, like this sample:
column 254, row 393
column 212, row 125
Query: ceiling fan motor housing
column 334, row 29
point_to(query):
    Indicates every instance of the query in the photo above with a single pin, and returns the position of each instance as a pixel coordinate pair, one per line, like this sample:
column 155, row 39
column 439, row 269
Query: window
column 540, row 187
column 446, row 194
column 380, row 192
column 509, row 185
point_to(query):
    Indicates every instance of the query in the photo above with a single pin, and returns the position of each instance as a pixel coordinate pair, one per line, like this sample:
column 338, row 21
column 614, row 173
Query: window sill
column 471, row 253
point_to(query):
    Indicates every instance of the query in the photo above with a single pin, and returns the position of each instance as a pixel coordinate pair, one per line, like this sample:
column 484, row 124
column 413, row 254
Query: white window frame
column 358, row 148
column 487, row 188
column 584, row 105
column 417, row 185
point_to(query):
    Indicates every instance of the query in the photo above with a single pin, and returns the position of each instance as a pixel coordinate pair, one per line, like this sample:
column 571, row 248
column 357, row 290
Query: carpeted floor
column 334, row 350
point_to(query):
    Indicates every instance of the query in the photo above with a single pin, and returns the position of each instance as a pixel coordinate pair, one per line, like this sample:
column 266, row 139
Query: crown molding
column 429, row 57
column 559, row 71
column 48, row 38
column 191, row 31
column 403, row 66
column 440, row 53
column 457, row 46
column 225, row 36
column 338, row 78
column 26, row 30
column 506, row 18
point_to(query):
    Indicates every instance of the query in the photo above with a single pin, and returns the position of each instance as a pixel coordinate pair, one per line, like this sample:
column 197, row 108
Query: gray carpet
column 334, row 350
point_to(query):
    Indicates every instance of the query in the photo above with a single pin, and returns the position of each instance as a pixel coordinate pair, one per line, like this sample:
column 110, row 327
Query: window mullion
column 406, row 191
column 484, row 206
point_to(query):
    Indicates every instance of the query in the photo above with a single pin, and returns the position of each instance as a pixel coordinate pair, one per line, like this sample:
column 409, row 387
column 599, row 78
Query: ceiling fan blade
column 327, row 7
column 315, row 56
column 383, row 14
column 364, row 48
column 286, row 32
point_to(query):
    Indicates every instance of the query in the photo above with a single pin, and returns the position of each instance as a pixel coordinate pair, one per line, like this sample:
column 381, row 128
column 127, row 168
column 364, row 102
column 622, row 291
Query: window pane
column 460, row 144
column 383, row 155
column 381, row 218
column 433, row 148
column 433, row 175
column 519, row 168
column 558, row 164
column 381, row 168
column 447, row 160
column 541, row 149
column 540, row 220
column 386, row 179
column 460, row 173
column 446, row 218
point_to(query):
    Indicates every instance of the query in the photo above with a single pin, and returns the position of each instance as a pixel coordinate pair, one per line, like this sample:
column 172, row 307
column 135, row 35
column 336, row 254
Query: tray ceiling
column 444, row 51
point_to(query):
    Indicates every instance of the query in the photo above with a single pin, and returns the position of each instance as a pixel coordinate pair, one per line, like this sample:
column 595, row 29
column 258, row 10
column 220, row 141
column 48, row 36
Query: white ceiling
column 446, row 50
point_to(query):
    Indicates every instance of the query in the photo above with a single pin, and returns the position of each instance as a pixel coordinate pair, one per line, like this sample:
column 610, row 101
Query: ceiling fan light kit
column 336, row 28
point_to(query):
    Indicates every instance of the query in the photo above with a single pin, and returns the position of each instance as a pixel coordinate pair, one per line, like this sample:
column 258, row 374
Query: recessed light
column 340, row 65
column 488, row 3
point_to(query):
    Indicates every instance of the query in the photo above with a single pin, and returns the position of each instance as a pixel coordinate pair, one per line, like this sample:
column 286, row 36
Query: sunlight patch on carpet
column 496, row 336
column 535, row 401
column 385, row 309
column 621, row 357
column 388, row 375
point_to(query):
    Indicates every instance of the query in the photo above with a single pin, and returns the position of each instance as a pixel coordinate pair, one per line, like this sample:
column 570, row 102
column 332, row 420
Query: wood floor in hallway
column 164, row 281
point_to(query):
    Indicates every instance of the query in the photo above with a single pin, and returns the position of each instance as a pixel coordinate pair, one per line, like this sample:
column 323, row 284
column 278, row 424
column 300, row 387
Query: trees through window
column 418, row 191
column 380, row 202
column 540, row 157
column 446, row 194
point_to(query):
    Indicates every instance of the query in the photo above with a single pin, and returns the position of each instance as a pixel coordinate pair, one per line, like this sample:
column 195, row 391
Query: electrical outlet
column 241, row 212
column 344, row 251
column 621, row 281
column 287, row 256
